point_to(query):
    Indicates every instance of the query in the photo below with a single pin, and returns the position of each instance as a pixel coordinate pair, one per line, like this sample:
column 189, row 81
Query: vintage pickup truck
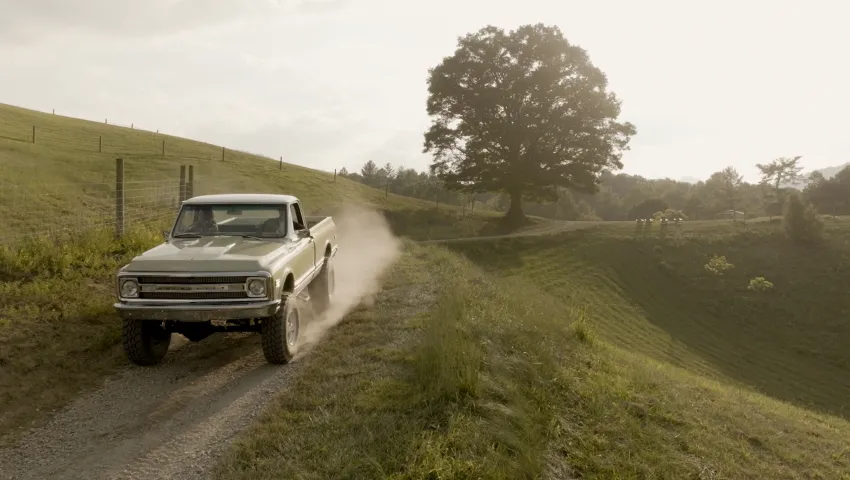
column 231, row 263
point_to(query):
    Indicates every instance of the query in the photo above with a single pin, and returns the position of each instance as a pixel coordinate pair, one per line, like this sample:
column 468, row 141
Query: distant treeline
column 626, row 197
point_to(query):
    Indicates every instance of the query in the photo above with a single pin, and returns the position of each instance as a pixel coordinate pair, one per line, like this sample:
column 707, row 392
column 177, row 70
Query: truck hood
column 211, row 254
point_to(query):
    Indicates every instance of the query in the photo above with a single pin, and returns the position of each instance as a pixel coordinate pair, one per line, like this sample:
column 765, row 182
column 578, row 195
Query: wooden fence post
column 281, row 163
column 182, row 193
column 119, row 197
column 100, row 144
column 334, row 175
column 33, row 134
column 222, row 154
column 163, row 147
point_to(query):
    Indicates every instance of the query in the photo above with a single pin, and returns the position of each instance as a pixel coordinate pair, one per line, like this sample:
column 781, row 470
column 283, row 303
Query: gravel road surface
column 172, row 421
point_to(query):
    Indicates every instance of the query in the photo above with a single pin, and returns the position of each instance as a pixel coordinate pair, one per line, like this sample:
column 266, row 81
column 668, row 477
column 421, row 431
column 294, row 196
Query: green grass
column 57, row 305
column 62, row 182
column 653, row 295
column 457, row 373
column 57, row 292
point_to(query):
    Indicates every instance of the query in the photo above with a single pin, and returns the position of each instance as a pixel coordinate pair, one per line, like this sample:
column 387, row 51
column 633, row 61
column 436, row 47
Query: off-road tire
column 145, row 342
column 322, row 288
column 276, row 348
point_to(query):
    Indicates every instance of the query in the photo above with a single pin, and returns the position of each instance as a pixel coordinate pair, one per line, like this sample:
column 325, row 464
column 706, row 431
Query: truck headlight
column 129, row 288
column 257, row 287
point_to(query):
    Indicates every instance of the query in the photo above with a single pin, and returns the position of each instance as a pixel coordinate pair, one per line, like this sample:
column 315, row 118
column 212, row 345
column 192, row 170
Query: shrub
column 670, row 214
column 800, row 221
column 759, row 284
column 717, row 265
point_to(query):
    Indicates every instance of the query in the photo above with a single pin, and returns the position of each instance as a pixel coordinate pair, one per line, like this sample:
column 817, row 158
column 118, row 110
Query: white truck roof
column 241, row 198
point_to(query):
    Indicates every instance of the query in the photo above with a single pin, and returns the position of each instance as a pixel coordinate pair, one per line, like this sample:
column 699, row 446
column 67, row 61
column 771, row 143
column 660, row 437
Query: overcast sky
column 332, row 83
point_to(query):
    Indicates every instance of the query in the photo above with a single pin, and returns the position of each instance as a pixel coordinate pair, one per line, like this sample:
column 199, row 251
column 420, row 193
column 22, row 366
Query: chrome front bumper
column 193, row 312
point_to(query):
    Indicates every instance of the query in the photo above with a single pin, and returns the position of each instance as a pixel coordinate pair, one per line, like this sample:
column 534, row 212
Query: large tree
column 777, row 173
column 522, row 112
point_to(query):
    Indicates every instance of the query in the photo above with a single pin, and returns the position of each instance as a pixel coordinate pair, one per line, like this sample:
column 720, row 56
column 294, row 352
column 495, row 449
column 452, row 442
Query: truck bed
column 314, row 221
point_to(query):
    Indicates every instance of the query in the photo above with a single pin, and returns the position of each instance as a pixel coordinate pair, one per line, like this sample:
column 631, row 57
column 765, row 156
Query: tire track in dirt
column 172, row 421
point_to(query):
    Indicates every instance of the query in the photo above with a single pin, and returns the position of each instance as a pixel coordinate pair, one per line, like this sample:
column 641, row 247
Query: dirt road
column 168, row 422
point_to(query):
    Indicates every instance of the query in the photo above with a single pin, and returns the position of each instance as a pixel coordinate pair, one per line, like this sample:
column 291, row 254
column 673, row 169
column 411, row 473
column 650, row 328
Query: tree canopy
column 781, row 171
column 524, row 113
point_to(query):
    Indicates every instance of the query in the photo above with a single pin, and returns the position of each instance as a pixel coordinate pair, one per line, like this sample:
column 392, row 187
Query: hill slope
column 66, row 179
column 485, row 375
column 653, row 296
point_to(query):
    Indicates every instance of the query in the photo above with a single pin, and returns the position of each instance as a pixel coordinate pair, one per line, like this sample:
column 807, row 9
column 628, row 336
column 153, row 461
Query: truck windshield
column 268, row 221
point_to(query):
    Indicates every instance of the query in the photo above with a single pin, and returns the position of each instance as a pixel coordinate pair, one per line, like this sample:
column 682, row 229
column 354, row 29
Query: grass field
column 653, row 296
column 536, row 358
column 57, row 297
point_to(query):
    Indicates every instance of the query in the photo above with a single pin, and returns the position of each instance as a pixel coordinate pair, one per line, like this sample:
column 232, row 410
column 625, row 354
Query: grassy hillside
column 470, row 374
column 65, row 180
column 57, row 297
column 654, row 296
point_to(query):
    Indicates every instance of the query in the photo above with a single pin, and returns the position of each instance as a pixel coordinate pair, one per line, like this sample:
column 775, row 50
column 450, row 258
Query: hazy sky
column 332, row 83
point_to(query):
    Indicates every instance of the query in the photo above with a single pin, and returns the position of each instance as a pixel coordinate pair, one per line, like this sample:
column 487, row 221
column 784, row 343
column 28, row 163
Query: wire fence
column 107, row 138
column 62, row 209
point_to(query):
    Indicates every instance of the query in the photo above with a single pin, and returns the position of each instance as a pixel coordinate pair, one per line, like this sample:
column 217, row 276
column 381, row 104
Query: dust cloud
column 367, row 247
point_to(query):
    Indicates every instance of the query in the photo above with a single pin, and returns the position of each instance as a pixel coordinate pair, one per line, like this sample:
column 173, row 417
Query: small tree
column 801, row 222
column 759, row 285
column 781, row 171
column 717, row 265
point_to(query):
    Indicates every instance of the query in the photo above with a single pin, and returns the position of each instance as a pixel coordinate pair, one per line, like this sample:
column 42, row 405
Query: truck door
column 306, row 259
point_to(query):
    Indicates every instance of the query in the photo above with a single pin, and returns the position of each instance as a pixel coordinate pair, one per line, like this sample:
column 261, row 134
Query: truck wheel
column 145, row 342
column 322, row 288
column 280, row 334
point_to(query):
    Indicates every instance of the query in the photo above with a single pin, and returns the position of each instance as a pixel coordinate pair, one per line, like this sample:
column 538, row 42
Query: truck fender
column 328, row 244
column 280, row 282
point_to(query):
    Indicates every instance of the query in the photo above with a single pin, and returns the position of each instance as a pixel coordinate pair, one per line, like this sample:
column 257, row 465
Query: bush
column 800, row 221
column 759, row 284
column 717, row 265
column 670, row 214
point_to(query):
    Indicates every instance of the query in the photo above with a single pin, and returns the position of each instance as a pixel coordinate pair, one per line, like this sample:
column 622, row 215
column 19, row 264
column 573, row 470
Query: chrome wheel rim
column 292, row 328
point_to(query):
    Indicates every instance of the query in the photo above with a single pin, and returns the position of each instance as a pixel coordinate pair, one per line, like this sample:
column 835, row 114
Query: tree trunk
column 515, row 216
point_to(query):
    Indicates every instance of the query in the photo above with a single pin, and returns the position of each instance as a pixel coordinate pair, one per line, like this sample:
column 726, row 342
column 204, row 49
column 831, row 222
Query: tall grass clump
column 485, row 368
column 58, row 331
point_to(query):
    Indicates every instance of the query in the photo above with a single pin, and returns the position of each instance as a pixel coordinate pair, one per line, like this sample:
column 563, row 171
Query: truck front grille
column 191, row 295
column 165, row 280
column 164, row 287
